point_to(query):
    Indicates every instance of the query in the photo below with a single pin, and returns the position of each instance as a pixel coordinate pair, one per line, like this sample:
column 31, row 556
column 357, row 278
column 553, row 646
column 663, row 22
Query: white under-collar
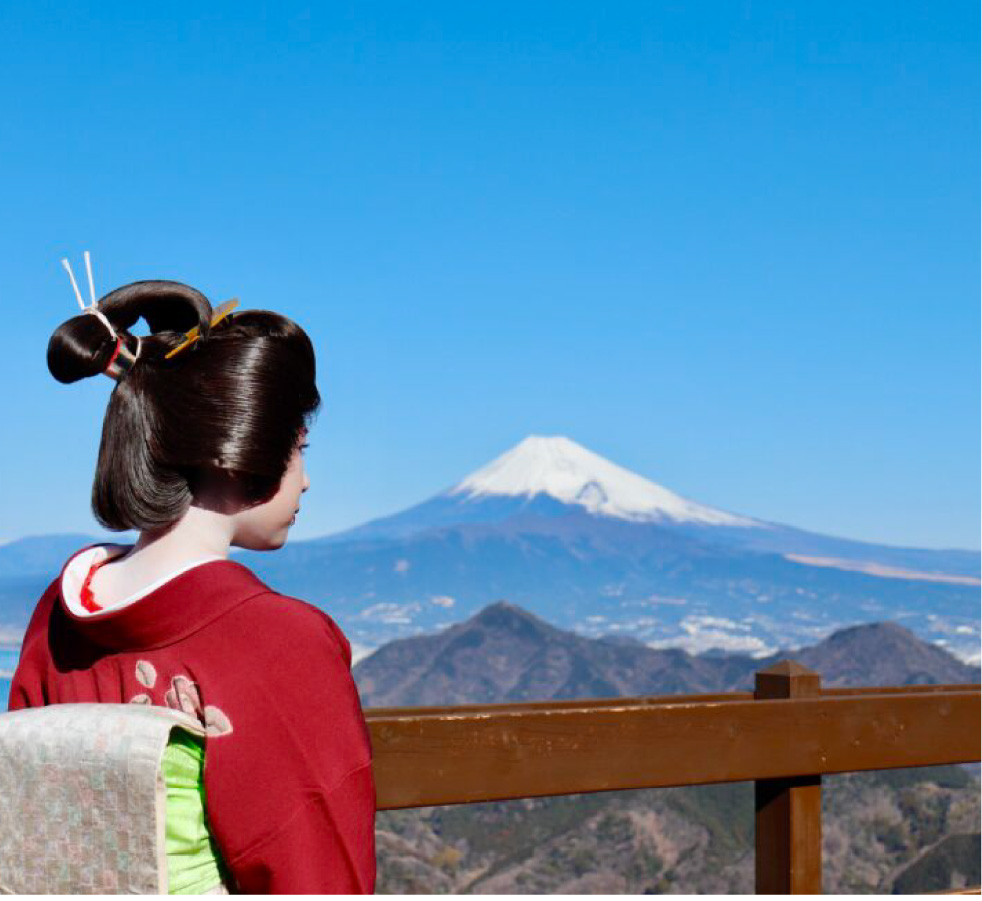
column 78, row 568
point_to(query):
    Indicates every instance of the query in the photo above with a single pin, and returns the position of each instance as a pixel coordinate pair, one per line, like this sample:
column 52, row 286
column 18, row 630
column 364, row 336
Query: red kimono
column 288, row 777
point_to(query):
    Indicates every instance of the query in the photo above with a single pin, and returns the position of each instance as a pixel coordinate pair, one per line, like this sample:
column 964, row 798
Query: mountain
column 883, row 654
column 552, row 476
column 592, row 547
column 505, row 653
column 546, row 477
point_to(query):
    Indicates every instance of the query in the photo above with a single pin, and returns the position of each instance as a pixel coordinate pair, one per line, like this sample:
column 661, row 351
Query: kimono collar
column 164, row 612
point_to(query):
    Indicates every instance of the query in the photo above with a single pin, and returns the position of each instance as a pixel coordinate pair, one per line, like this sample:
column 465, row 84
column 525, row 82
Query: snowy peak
column 568, row 472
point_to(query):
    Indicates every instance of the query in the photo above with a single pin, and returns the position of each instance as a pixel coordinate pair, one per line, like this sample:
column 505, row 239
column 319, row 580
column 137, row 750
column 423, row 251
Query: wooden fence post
column 788, row 834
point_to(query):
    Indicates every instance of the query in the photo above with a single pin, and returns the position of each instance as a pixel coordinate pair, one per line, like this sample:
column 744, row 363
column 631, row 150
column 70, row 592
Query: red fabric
column 112, row 359
column 288, row 778
column 86, row 598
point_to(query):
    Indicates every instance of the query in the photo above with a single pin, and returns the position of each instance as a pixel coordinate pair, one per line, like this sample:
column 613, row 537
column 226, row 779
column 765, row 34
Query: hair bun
column 165, row 306
column 83, row 346
column 79, row 348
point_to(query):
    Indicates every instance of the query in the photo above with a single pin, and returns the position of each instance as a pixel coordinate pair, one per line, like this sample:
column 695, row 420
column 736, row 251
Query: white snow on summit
column 568, row 472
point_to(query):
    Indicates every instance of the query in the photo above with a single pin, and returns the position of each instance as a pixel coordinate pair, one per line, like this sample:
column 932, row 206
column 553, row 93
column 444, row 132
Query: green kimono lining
column 194, row 864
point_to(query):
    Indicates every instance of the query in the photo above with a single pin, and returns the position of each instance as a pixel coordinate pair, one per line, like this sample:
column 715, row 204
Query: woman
column 202, row 451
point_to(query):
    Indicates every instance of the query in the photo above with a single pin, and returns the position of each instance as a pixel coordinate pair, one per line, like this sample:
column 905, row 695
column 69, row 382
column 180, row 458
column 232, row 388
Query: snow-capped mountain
column 554, row 478
column 565, row 471
column 591, row 546
column 549, row 477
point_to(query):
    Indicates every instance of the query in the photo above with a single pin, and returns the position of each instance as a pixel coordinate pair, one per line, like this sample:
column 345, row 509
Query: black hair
column 236, row 401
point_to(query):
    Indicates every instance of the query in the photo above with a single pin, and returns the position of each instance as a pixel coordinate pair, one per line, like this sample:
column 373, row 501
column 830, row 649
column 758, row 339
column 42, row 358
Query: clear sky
column 731, row 246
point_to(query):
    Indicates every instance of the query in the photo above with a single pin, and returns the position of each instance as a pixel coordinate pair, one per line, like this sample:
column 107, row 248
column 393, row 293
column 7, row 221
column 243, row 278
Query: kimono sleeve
column 27, row 685
column 288, row 776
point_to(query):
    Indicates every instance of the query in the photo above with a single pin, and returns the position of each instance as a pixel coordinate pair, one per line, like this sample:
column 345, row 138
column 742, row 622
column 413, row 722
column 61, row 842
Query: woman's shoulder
column 37, row 627
column 281, row 620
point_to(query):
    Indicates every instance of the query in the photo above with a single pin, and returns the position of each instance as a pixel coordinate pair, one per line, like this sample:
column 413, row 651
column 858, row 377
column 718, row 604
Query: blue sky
column 731, row 246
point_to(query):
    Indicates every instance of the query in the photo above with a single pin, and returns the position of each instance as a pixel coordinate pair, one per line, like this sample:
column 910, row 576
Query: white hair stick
column 71, row 275
column 88, row 269
column 92, row 308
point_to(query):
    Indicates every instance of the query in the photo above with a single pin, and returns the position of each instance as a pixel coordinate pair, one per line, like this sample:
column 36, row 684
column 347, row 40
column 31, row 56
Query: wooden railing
column 784, row 737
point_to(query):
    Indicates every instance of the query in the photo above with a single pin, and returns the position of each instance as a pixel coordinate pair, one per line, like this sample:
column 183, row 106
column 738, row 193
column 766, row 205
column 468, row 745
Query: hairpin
column 218, row 314
column 92, row 308
column 122, row 358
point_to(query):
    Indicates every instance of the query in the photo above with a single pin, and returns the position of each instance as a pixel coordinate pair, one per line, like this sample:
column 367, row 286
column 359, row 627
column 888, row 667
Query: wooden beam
column 643, row 701
column 895, row 690
column 788, row 812
column 566, row 704
column 483, row 754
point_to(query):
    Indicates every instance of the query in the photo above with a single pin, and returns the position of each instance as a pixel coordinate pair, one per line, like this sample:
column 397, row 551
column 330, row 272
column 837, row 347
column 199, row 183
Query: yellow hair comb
column 218, row 314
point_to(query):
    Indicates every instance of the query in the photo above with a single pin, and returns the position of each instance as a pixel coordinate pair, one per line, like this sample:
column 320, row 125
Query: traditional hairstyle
column 237, row 400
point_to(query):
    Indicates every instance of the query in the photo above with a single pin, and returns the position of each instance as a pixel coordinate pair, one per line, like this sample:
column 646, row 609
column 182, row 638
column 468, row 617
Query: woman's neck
column 198, row 533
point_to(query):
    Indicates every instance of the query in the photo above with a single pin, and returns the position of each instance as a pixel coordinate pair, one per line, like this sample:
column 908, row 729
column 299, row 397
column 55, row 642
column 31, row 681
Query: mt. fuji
column 590, row 546
column 548, row 477
column 553, row 477
column 569, row 473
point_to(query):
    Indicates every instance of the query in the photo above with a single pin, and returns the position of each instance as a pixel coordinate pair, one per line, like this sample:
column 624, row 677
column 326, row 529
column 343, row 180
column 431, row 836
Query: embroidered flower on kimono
column 182, row 695
column 146, row 673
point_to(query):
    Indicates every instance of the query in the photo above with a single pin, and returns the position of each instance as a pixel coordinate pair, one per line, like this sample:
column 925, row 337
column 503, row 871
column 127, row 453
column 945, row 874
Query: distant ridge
column 884, row 654
column 42, row 555
column 505, row 653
